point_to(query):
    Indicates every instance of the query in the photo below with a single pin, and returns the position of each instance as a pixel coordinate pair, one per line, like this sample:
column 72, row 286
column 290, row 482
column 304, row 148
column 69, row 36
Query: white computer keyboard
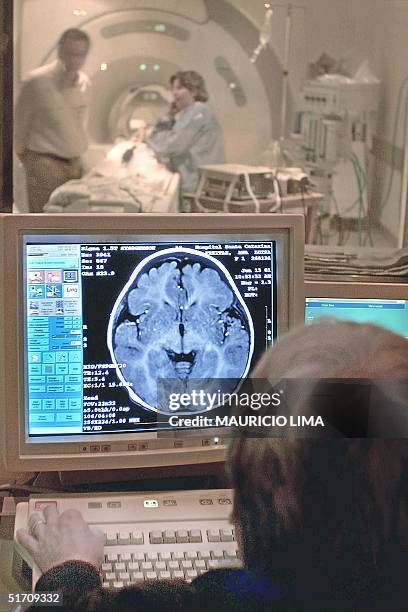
column 149, row 536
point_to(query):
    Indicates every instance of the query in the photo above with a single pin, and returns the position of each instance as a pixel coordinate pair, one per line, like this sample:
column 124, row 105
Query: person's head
column 73, row 48
column 137, row 128
column 188, row 87
column 303, row 506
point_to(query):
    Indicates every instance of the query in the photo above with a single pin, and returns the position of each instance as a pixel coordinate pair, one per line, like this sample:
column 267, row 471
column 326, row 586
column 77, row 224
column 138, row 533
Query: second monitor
column 376, row 302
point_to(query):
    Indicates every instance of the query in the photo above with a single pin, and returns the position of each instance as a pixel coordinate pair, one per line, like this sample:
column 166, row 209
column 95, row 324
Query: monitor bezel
column 21, row 455
column 374, row 289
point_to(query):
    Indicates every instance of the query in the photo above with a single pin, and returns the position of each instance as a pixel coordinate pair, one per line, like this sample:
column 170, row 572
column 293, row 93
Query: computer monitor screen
column 107, row 307
column 384, row 304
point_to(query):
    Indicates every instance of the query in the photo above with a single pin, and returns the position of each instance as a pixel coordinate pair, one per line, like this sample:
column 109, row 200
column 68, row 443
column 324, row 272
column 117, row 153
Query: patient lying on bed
column 128, row 178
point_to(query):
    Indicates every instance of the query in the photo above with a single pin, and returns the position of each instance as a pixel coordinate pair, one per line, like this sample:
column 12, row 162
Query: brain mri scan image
column 179, row 316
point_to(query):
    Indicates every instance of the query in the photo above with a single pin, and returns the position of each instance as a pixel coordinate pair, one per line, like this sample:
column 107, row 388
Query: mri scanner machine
column 136, row 46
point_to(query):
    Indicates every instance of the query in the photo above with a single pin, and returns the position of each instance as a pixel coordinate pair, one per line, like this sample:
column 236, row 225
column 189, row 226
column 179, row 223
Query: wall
column 341, row 28
column 390, row 31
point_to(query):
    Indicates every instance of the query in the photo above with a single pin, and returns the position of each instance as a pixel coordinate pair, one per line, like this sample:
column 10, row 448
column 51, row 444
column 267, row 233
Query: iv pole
column 265, row 37
column 285, row 84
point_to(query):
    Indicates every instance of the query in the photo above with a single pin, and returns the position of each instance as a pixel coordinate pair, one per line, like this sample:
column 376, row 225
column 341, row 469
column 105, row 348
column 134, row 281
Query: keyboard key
column 151, row 576
column 126, row 557
column 173, row 565
column 146, row 566
column 226, row 535
column 165, row 556
column 136, row 576
column 205, row 554
column 138, row 556
column 177, row 574
column 105, row 585
column 195, row 535
column 110, row 576
column 182, row 536
column 217, row 554
column 152, row 556
column 169, row 536
column 111, row 538
column 119, row 566
column 228, row 563
column 192, row 554
column 136, row 537
column 106, row 567
column 124, row 537
column 133, row 566
column 160, row 565
column 177, row 555
column 110, row 557
column 156, row 537
column 124, row 576
column 213, row 535
column 186, row 564
column 118, row 584
column 191, row 574
column 200, row 564
column 213, row 564
column 164, row 575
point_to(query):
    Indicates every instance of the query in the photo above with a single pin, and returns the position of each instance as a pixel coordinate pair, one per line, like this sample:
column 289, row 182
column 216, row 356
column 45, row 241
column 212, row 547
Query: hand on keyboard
column 53, row 538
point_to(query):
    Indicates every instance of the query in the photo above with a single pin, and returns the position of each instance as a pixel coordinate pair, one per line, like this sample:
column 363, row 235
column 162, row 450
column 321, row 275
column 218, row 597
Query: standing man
column 50, row 120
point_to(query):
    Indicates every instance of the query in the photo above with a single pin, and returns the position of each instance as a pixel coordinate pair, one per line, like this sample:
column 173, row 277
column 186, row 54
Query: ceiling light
column 104, row 66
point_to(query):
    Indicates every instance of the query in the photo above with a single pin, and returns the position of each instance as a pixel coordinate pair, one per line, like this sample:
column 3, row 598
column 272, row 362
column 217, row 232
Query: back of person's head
column 326, row 515
column 193, row 81
column 333, row 349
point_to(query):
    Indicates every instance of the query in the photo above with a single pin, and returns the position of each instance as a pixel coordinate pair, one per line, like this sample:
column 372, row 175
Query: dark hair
column 332, row 510
column 74, row 34
column 192, row 81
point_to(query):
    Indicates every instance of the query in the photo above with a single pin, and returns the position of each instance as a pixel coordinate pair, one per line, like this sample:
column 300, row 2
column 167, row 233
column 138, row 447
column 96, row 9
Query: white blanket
column 137, row 181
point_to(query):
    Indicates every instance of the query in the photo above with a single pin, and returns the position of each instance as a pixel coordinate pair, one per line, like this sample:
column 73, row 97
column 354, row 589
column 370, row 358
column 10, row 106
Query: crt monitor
column 95, row 310
column 376, row 302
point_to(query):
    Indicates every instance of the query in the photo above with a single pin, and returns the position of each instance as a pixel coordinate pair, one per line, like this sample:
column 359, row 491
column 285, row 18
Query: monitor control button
column 114, row 504
column 40, row 505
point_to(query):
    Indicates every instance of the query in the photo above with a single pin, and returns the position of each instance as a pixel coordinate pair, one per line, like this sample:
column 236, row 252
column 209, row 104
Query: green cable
column 357, row 168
